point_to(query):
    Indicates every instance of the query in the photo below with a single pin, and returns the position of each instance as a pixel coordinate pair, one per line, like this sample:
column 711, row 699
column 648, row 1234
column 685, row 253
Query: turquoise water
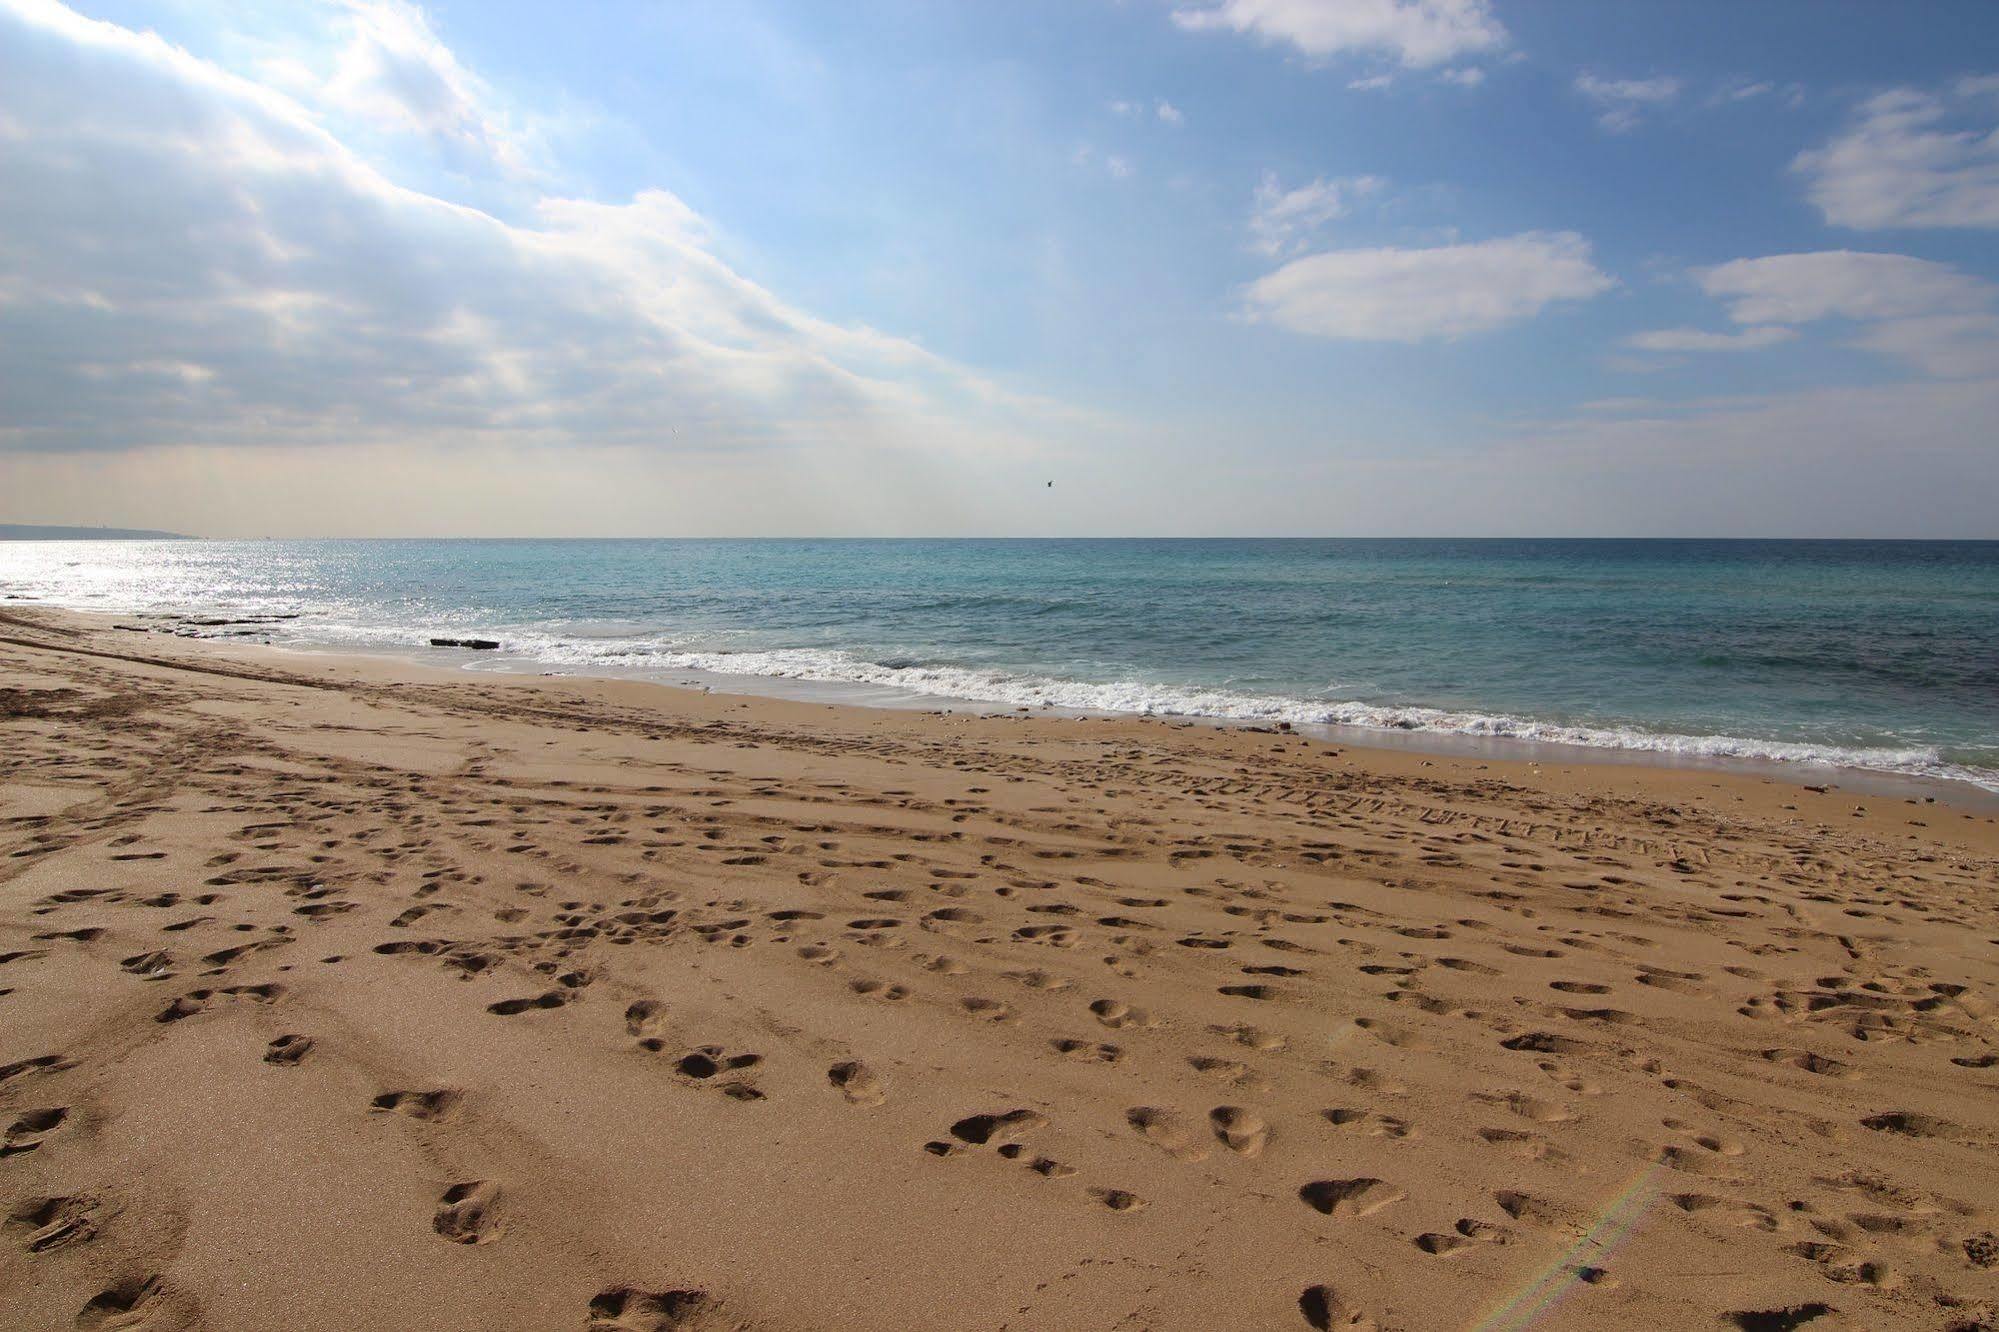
column 1881, row 655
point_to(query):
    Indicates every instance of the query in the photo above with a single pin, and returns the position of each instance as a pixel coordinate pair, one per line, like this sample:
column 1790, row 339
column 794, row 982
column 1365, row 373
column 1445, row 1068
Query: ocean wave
column 906, row 673
column 588, row 648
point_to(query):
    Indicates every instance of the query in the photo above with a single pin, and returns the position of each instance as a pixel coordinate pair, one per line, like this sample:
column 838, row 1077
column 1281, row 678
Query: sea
column 1857, row 656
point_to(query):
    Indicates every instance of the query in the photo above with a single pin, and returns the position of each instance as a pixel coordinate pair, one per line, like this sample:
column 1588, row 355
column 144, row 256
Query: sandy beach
column 338, row 993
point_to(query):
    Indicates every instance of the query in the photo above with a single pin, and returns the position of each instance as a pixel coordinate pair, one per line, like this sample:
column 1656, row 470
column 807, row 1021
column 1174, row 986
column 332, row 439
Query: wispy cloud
column 1285, row 220
column 1413, row 295
column 1912, row 158
column 1624, row 102
column 1926, row 314
column 1701, row 340
column 1158, row 109
column 1420, row 34
column 1800, row 288
column 396, row 71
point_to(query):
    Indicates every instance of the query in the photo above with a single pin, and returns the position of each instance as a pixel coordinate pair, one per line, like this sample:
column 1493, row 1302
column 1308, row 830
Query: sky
column 889, row 267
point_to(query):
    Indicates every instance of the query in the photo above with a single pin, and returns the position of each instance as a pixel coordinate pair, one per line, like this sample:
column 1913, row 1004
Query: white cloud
column 1470, row 76
column 1624, row 101
column 1698, row 339
column 1800, row 288
column 188, row 257
column 1161, row 109
column 1372, row 83
column 1408, row 295
column 395, row 71
column 1912, row 159
column 1929, row 315
column 1418, row 33
column 1963, row 346
column 1113, row 165
column 1284, row 220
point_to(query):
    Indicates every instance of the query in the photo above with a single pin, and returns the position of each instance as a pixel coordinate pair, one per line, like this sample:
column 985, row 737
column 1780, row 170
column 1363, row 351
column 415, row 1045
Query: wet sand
column 338, row 993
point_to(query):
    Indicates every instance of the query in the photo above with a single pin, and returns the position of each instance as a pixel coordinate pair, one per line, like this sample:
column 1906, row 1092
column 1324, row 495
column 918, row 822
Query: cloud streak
column 1624, row 102
column 1701, row 340
column 1284, row 220
column 1420, row 34
column 1926, row 314
column 1441, row 292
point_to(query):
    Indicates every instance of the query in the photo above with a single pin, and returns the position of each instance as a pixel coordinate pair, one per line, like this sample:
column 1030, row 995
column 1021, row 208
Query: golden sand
column 345, row 994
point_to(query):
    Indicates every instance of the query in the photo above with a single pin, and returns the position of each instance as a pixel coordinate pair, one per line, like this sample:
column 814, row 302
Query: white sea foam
column 587, row 649
column 1011, row 689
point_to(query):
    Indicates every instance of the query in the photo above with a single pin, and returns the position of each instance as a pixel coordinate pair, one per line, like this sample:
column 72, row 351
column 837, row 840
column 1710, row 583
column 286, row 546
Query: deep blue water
column 1873, row 654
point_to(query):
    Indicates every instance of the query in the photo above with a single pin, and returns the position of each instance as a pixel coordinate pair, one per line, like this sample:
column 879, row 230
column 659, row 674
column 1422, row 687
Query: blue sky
column 1241, row 266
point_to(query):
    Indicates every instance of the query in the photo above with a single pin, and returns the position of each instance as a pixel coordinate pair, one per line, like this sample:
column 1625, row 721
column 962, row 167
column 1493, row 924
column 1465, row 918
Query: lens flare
column 1613, row 1225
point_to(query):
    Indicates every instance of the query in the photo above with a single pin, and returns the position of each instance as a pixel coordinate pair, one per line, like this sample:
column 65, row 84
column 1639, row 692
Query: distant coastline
column 32, row 532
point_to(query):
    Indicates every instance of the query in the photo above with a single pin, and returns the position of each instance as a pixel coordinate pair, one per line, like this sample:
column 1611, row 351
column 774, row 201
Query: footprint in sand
column 1091, row 1052
column 439, row 1106
column 1256, row 1038
column 1117, row 1014
column 1467, row 1232
column 1910, row 1124
column 49, row 1063
column 998, row 1129
column 1787, row 1319
column 1166, row 1131
column 54, row 1223
column 857, row 1082
column 468, row 1213
column 1528, row 1107
column 1043, row 1166
column 1326, row 1311
column 1241, row 1130
column 646, row 1019
column 1370, row 1123
column 707, row 1062
column 287, row 1051
column 547, row 999
column 1262, row 993
column 628, row 1309
column 124, row 1304
column 156, row 965
column 1525, row 1207
column 1350, row 1197
column 1118, row 1200
column 196, row 1001
column 1228, row 1070
column 30, row 1127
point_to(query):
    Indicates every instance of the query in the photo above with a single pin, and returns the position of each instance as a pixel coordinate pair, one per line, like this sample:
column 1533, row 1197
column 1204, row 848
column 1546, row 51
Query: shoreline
column 1960, row 792
column 576, row 1002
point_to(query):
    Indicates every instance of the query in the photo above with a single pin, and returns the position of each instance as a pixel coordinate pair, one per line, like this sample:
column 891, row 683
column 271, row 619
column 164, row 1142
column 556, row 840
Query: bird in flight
column 1051, row 485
